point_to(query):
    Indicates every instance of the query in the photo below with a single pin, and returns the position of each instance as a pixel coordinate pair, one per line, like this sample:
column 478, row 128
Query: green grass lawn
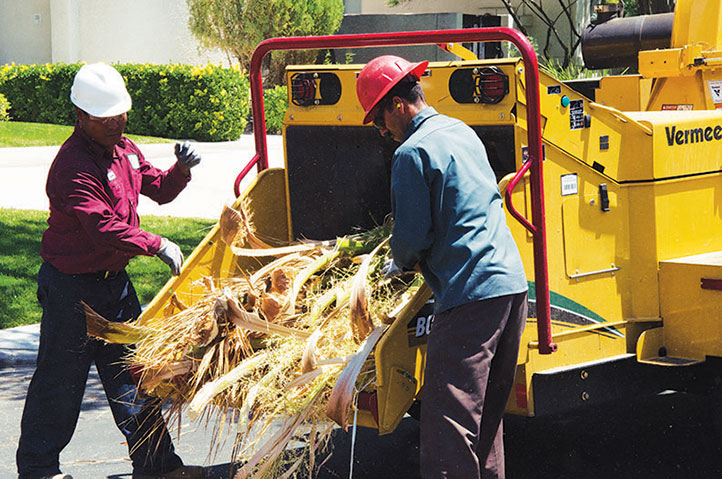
column 17, row 134
column 20, row 235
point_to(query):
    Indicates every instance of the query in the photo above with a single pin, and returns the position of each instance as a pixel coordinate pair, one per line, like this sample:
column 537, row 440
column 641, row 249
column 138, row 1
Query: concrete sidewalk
column 19, row 346
column 23, row 172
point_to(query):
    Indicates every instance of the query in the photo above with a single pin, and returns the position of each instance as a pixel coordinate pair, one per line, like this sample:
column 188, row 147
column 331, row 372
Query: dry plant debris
column 284, row 348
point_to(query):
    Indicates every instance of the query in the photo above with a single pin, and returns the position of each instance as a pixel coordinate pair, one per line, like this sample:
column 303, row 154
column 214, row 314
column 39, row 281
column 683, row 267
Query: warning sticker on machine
column 569, row 185
column 667, row 107
column 576, row 114
column 715, row 88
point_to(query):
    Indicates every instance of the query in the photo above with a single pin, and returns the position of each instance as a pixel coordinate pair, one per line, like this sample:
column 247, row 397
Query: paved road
column 664, row 437
column 97, row 449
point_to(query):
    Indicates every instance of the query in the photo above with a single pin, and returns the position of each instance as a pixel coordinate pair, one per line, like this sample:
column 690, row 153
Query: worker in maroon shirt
column 93, row 231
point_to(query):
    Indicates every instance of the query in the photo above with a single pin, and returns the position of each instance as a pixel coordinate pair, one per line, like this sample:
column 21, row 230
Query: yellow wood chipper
column 620, row 232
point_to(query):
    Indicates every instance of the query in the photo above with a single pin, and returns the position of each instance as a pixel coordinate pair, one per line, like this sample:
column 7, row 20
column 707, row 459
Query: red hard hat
column 379, row 76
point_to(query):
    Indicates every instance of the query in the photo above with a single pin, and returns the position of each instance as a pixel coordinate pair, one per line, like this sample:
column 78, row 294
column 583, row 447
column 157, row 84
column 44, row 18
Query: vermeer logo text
column 695, row 135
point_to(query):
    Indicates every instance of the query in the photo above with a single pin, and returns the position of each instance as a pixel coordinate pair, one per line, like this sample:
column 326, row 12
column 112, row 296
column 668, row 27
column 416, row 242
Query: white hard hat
column 98, row 89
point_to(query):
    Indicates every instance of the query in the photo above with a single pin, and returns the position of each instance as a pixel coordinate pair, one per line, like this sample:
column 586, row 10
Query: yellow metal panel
column 661, row 63
column 680, row 93
column 574, row 348
column 640, row 290
column 399, row 366
column 593, row 239
column 613, row 140
column 692, row 315
column 649, row 344
column 688, row 215
column 684, row 142
column 625, row 93
column 586, row 300
column 697, row 21
column 213, row 259
column 349, row 112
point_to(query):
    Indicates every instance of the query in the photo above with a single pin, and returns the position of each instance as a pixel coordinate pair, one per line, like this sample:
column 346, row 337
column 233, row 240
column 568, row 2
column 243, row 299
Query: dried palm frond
column 235, row 228
column 286, row 344
column 305, row 275
column 215, row 387
column 151, row 378
column 114, row 332
column 340, row 399
column 361, row 323
column 254, row 322
column 276, row 444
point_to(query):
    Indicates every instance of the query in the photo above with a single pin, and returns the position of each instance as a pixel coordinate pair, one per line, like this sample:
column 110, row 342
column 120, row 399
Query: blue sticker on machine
column 419, row 326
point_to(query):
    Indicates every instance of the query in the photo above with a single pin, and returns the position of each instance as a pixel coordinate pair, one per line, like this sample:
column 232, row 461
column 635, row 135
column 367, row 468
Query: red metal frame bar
column 535, row 166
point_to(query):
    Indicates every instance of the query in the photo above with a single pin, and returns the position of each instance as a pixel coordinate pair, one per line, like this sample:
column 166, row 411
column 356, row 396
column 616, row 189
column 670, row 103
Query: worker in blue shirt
column 449, row 222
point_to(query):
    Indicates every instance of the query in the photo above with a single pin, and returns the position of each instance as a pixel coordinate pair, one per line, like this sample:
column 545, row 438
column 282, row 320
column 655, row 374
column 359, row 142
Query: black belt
column 102, row 274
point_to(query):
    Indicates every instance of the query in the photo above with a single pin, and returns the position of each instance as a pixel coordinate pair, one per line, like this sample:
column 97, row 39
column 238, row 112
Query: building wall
column 378, row 23
column 471, row 7
column 156, row 31
column 131, row 31
column 580, row 12
column 25, row 31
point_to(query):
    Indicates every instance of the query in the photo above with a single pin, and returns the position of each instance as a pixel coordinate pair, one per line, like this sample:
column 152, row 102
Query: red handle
column 531, row 75
column 507, row 196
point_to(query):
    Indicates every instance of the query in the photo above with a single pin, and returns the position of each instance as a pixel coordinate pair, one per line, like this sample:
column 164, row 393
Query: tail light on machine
column 309, row 89
column 479, row 85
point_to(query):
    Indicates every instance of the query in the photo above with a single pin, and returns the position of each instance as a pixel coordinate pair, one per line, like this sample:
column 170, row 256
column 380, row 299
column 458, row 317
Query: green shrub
column 39, row 93
column 275, row 104
column 4, row 107
column 207, row 103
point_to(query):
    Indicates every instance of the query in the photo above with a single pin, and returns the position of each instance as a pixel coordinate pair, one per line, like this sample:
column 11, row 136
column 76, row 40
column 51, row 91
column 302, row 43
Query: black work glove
column 187, row 156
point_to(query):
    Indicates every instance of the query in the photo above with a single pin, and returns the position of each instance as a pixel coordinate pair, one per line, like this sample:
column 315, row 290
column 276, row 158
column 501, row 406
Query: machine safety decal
column 569, row 185
column 677, row 107
column 715, row 88
column 576, row 114
column 554, row 90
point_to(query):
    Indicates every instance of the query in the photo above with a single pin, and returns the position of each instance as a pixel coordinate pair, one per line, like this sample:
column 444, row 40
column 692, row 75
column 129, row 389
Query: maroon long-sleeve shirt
column 94, row 223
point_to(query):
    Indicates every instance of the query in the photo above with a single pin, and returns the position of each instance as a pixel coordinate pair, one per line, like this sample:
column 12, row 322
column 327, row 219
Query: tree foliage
column 238, row 26
column 561, row 22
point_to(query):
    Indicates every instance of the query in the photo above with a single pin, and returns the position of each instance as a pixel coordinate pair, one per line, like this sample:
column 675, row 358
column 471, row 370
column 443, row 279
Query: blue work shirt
column 449, row 216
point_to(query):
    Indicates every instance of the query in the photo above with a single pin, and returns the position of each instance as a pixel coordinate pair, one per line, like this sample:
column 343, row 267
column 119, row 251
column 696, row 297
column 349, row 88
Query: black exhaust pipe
column 617, row 42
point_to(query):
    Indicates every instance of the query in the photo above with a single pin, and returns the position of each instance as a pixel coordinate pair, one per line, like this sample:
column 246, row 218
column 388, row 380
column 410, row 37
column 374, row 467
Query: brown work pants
column 470, row 363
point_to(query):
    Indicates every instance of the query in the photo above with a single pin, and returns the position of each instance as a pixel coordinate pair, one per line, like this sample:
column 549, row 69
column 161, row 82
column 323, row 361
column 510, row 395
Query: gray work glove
column 171, row 255
column 187, row 156
column 390, row 269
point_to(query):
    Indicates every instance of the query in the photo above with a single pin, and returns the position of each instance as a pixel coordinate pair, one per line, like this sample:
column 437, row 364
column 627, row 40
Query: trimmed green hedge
column 205, row 103
column 275, row 104
column 4, row 108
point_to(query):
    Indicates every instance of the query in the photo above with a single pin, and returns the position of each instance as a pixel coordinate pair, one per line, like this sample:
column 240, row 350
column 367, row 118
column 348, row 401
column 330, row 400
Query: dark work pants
column 470, row 363
column 52, row 405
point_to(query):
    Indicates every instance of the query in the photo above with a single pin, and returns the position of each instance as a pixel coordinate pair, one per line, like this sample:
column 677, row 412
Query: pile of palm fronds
column 277, row 351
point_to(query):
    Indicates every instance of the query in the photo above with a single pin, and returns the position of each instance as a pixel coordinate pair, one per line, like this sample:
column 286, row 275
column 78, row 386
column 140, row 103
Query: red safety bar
column 534, row 164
